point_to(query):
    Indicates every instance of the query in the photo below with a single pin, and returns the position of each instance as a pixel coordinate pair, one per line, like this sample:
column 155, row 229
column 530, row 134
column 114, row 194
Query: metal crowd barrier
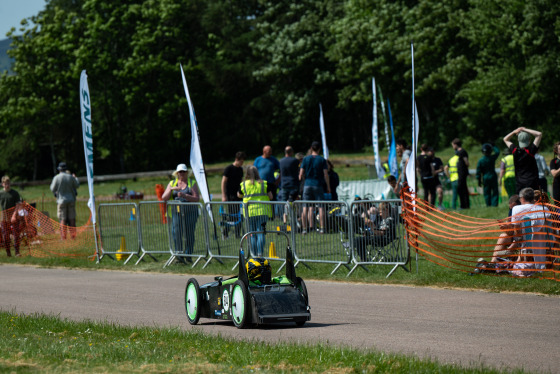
column 230, row 221
column 119, row 230
column 372, row 246
column 187, row 227
column 321, row 237
column 225, row 229
column 154, row 231
column 192, row 232
column 267, row 216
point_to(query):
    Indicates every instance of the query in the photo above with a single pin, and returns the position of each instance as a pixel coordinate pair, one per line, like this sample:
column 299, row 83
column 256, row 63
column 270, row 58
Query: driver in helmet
column 259, row 270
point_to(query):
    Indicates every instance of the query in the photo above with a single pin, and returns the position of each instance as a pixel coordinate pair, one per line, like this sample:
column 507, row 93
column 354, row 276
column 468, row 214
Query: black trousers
column 463, row 192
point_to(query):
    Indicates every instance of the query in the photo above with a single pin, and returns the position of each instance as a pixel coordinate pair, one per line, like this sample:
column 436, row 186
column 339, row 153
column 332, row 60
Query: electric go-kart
column 252, row 297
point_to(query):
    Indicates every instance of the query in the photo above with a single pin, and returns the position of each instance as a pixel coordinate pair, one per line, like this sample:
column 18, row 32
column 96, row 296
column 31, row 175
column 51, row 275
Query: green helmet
column 258, row 269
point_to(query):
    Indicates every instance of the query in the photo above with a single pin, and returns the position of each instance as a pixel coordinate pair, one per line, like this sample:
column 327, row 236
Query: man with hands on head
column 526, row 170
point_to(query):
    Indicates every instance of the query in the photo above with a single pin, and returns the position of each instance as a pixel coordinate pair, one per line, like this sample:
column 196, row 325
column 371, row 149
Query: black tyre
column 300, row 285
column 193, row 301
column 240, row 305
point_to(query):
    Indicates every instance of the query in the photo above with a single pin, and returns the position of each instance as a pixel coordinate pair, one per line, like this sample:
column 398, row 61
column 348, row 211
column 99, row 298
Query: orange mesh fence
column 29, row 232
column 527, row 244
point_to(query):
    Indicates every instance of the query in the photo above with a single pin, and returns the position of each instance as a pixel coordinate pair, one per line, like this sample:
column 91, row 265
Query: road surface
column 464, row 327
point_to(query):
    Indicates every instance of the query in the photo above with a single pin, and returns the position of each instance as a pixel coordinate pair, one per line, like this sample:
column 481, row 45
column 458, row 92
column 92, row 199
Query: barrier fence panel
column 379, row 236
column 188, row 232
column 154, row 232
column 225, row 230
column 275, row 215
column 118, row 230
column 320, row 232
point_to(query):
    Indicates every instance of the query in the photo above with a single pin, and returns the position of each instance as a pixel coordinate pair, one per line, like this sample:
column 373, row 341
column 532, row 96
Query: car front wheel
column 240, row 305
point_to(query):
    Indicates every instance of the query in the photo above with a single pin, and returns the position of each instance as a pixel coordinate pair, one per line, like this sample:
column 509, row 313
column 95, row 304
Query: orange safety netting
column 30, row 232
column 530, row 247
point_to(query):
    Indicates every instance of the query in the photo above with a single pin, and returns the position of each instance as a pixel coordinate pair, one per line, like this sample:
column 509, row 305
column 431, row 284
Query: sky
column 13, row 11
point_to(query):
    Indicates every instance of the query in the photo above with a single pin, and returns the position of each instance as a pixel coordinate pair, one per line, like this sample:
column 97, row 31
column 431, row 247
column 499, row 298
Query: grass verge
column 38, row 343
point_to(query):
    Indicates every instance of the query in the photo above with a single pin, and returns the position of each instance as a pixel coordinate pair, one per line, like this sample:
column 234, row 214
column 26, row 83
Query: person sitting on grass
column 506, row 246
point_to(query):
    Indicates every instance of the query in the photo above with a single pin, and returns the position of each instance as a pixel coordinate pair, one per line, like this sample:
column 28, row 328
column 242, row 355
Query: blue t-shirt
column 313, row 167
column 267, row 167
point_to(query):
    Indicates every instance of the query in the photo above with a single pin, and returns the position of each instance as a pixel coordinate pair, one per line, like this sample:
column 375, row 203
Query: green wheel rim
column 191, row 301
column 238, row 304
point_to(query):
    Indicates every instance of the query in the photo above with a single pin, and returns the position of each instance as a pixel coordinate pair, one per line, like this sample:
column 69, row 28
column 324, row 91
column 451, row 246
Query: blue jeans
column 184, row 225
column 257, row 240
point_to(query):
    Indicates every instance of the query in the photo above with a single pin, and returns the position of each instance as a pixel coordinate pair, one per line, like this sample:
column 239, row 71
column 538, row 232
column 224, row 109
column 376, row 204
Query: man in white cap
column 64, row 188
column 526, row 170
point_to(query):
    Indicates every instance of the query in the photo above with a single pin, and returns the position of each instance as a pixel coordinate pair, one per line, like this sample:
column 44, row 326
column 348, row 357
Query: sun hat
column 181, row 167
column 524, row 139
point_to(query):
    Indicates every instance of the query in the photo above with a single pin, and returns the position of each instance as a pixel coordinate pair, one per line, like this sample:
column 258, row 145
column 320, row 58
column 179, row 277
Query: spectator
column 486, row 174
column 9, row 198
column 425, row 169
column 437, row 166
column 544, row 171
column 526, row 170
column 231, row 180
column 334, row 181
column 267, row 165
column 300, row 156
column 379, row 236
column 506, row 247
column 537, row 213
column 403, row 152
column 184, row 216
column 254, row 189
column 289, row 172
column 462, row 172
column 451, row 172
column 314, row 173
column 64, row 188
column 395, row 187
column 555, row 171
column 507, row 173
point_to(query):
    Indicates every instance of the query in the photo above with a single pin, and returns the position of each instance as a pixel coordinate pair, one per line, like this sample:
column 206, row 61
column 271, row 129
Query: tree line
column 257, row 71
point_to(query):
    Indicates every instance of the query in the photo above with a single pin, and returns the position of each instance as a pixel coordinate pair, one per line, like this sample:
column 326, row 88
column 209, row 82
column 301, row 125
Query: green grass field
column 38, row 343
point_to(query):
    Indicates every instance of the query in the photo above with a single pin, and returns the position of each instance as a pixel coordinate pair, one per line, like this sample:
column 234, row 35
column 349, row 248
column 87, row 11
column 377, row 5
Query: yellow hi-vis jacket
column 510, row 167
column 256, row 192
column 387, row 171
column 453, row 173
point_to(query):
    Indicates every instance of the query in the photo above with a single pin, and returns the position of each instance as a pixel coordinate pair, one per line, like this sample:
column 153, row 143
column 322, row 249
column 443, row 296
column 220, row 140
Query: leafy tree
column 516, row 65
column 293, row 40
column 34, row 117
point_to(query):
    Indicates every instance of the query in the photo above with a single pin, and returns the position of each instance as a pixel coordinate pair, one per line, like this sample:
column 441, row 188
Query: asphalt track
column 469, row 328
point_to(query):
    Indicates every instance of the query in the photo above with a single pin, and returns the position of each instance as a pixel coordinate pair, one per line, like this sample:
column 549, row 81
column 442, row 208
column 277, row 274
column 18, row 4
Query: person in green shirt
column 9, row 198
column 486, row 174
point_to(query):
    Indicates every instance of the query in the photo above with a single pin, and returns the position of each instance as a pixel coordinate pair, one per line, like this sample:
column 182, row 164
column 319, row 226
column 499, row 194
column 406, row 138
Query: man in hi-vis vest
column 507, row 173
column 453, row 175
column 254, row 189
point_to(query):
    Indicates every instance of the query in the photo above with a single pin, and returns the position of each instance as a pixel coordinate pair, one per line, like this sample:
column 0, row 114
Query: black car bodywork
column 244, row 302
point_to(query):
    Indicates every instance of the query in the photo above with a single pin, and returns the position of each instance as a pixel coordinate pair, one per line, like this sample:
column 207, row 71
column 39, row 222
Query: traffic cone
column 122, row 248
column 272, row 251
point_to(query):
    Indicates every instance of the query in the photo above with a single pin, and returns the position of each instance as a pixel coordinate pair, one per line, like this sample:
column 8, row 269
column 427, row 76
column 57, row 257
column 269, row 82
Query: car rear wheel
column 240, row 305
column 300, row 285
column 192, row 301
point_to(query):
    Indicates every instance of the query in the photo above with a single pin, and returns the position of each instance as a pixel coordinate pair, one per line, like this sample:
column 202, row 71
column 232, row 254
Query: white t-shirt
column 538, row 215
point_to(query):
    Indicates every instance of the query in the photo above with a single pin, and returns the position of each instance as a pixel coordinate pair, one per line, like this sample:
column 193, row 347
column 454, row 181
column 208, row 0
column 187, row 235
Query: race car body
column 246, row 301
